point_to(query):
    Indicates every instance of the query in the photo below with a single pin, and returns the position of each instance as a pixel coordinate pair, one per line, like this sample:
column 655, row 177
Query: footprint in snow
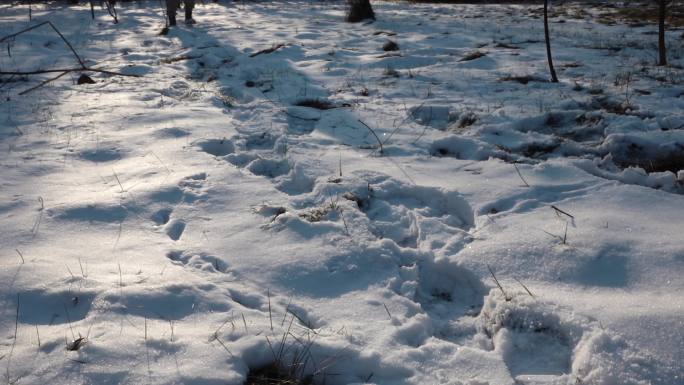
column 175, row 229
column 417, row 216
column 188, row 190
column 217, row 147
column 197, row 260
column 49, row 307
column 532, row 339
column 262, row 154
column 449, row 295
column 162, row 217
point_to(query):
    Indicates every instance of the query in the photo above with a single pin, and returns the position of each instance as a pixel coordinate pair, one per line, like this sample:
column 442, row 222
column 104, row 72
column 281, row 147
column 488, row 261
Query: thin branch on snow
column 63, row 71
column 268, row 50
column 80, row 61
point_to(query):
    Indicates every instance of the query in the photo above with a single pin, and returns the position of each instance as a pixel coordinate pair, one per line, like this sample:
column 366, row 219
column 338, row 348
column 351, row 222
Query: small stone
column 85, row 79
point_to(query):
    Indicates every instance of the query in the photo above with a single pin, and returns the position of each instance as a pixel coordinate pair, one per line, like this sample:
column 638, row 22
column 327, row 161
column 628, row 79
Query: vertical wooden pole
column 554, row 78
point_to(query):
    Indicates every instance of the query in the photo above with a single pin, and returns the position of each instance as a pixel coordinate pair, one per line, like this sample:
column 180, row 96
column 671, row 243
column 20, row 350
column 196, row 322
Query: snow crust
column 206, row 219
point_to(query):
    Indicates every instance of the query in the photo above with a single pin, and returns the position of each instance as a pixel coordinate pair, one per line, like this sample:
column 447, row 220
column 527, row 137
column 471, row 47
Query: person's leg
column 171, row 7
column 189, row 5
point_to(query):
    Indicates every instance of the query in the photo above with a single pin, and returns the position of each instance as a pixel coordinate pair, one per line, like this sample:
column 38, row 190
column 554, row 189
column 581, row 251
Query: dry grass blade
column 301, row 320
column 66, row 311
column 270, row 346
column 559, row 211
column 14, row 341
column 388, row 312
column 118, row 181
column 244, row 321
column 524, row 287
column 520, row 175
column 498, row 284
column 20, row 256
column 225, row 347
column 270, row 315
column 287, row 308
column 374, row 134
column 37, row 336
column 230, row 319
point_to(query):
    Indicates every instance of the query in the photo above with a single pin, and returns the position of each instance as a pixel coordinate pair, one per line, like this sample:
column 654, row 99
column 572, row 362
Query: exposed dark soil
column 274, row 375
column 318, row 104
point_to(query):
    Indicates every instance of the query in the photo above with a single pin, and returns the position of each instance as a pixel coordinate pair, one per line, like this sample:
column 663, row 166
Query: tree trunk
column 661, row 33
column 554, row 78
column 360, row 10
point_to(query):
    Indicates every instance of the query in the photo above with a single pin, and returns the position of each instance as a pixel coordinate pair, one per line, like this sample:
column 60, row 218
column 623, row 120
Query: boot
column 188, row 16
column 172, row 19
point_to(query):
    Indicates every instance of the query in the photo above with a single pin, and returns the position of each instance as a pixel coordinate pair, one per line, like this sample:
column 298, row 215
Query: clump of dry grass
column 467, row 119
column 292, row 363
column 272, row 374
column 317, row 214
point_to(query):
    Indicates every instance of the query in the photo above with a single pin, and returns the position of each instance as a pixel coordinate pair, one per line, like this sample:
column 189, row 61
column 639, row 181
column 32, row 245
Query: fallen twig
column 80, row 61
column 61, row 71
column 44, row 82
column 111, row 9
column 268, row 50
column 178, row 58
column 75, row 69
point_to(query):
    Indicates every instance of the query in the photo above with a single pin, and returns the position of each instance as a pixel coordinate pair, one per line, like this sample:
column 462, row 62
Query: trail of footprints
column 188, row 190
column 262, row 154
column 431, row 223
column 414, row 217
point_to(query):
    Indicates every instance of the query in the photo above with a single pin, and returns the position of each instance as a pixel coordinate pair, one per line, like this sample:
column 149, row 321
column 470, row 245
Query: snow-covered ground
column 203, row 220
